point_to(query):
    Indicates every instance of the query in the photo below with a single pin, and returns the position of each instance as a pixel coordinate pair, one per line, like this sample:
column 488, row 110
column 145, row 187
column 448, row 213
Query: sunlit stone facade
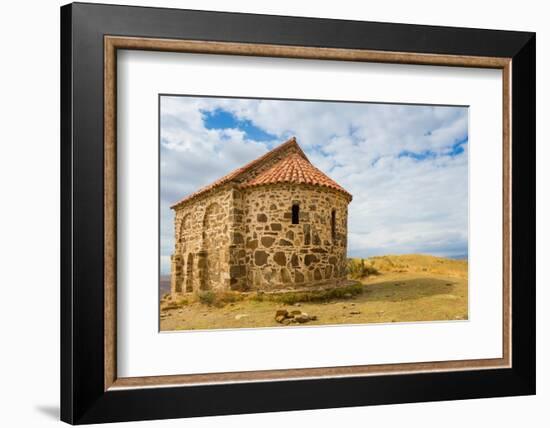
column 276, row 223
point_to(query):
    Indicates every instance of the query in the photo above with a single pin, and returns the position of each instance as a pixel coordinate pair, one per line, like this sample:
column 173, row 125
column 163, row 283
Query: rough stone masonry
column 275, row 223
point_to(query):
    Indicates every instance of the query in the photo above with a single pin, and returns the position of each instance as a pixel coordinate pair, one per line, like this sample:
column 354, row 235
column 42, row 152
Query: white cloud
column 400, row 204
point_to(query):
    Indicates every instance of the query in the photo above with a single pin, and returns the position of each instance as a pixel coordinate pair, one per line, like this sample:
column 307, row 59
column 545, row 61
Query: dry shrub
column 220, row 298
column 293, row 297
column 360, row 268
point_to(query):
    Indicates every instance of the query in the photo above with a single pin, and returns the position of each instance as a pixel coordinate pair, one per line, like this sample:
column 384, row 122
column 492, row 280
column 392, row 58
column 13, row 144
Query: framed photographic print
column 265, row 213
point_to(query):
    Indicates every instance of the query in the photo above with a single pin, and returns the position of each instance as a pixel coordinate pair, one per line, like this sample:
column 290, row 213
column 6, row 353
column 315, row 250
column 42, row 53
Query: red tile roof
column 293, row 167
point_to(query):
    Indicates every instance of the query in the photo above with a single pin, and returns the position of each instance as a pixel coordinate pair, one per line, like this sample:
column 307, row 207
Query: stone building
column 275, row 223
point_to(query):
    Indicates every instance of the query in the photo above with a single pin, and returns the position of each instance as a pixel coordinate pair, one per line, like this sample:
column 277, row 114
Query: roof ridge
column 236, row 173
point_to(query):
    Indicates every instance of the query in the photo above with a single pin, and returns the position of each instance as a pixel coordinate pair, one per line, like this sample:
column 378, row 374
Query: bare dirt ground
column 398, row 289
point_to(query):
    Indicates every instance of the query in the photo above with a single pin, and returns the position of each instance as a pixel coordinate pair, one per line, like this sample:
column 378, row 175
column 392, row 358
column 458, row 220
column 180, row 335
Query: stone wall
column 202, row 236
column 279, row 254
column 244, row 239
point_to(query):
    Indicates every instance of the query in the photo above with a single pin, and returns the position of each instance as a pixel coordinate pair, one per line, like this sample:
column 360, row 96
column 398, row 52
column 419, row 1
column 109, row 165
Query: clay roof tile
column 294, row 167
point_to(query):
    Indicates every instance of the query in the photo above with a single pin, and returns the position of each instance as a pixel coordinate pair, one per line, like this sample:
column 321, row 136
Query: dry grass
column 294, row 297
column 361, row 268
column 406, row 288
column 414, row 263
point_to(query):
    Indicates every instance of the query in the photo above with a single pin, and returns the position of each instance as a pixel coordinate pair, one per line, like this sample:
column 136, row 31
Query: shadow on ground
column 395, row 291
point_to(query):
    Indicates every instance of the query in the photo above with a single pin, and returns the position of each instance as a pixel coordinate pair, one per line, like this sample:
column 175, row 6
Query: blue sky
column 222, row 119
column 406, row 165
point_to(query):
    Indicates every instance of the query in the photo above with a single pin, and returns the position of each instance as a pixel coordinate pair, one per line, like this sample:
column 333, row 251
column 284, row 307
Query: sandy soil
column 408, row 290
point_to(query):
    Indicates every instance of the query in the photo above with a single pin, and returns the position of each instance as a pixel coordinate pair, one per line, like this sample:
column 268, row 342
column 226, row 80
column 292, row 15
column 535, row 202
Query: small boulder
column 280, row 318
column 281, row 312
column 285, row 317
column 302, row 318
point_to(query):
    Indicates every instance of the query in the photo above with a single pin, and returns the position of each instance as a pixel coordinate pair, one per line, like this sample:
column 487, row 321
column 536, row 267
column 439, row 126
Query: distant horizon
column 405, row 165
column 444, row 256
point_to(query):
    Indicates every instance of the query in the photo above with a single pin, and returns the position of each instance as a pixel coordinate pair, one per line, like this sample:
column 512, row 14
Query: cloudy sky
column 405, row 165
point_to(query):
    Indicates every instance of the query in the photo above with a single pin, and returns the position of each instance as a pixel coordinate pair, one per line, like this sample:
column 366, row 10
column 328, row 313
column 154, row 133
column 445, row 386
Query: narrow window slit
column 333, row 224
column 295, row 214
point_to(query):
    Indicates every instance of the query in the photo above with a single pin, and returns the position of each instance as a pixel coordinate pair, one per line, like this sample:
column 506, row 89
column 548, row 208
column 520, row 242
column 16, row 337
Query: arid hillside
column 409, row 263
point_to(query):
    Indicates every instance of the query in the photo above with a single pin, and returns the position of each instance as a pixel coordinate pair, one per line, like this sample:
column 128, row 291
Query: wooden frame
column 513, row 53
column 113, row 43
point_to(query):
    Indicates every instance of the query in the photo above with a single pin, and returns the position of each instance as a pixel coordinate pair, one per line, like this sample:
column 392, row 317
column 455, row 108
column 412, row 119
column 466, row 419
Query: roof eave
column 342, row 191
column 193, row 198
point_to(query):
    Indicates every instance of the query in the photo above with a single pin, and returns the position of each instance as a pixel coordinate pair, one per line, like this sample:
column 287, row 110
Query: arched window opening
column 295, row 214
column 333, row 224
